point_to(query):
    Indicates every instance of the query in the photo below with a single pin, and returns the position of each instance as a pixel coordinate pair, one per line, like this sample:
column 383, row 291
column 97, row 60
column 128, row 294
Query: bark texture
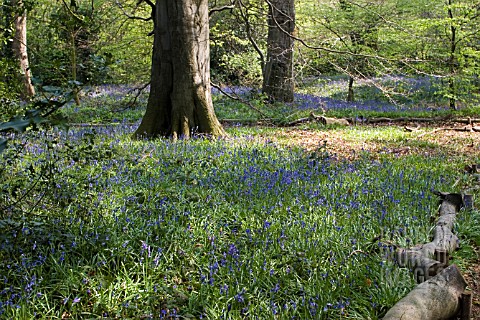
column 278, row 71
column 421, row 258
column 435, row 299
column 439, row 296
column 180, row 99
column 19, row 47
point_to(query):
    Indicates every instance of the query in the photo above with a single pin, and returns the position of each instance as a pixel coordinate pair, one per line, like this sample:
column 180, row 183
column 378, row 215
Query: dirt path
column 455, row 146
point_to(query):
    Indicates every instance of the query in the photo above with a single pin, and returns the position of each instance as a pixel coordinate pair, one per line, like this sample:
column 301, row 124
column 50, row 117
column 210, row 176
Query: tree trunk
column 180, row 101
column 278, row 71
column 451, row 60
column 76, row 95
column 19, row 46
column 350, row 96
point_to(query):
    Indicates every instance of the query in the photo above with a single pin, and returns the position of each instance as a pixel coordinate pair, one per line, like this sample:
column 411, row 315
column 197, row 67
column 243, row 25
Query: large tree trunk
column 278, row 71
column 180, row 99
column 19, row 46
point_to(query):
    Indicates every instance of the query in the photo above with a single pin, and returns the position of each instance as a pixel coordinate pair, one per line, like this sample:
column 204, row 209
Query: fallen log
column 421, row 258
column 407, row 119
column 334, row 121
column 435, row 299
column 469, row 121
column 464, row 129
column 348, row 121
column 322, row 119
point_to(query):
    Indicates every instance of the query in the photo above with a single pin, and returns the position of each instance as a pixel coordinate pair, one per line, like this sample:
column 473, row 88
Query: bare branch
column 237, row 98
column 74, row 15
column 248, row 29
column 131, row 16
column 230, row 6
column 132, row 102
column 304, row 43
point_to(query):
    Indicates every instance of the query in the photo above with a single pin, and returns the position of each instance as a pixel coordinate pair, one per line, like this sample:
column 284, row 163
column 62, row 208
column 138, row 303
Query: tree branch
column 237, row 98
column 134, row 17
column 230, row 6
column 305, row 44
column 250, row 38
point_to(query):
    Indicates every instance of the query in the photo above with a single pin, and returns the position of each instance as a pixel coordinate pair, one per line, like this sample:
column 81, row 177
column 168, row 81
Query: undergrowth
column 94, row 224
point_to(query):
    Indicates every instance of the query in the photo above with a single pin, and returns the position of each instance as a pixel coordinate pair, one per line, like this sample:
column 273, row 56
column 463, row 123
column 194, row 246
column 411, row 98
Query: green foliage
column 235, row 228
column 33, row 115
column 234, row 33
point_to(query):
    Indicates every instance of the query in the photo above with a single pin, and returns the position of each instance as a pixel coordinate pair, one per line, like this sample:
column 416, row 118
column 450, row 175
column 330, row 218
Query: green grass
column 231, row 228
column 93, row 224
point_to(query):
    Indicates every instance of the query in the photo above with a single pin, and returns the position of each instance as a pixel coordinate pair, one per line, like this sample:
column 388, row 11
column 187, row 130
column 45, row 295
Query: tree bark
column 435, row 299
column 278, row 82
column 19, row 47
column 180, row 101
column 451, row 59
column 350, row 96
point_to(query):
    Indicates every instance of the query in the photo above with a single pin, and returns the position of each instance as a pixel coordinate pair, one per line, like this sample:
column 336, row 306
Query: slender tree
column 19, row 46
column 180, row 99
column 278, row 82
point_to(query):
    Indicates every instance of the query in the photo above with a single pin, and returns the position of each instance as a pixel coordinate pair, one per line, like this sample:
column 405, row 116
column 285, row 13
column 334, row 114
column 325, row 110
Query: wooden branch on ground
column 410, row 129
column 421, row 258
column 461, row 129
column 322, row 119
column 435, row 299
column 407, row 119
column 346, row 121
column 443, row 296
column 469, row 121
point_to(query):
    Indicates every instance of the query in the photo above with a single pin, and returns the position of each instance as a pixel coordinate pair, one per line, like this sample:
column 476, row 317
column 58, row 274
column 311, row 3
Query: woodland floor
column 460, row 147
column 455, row 144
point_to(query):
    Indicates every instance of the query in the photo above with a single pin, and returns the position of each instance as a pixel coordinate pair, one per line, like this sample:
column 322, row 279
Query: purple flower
column 233, row 251
column 276, row 288
column 239, row 296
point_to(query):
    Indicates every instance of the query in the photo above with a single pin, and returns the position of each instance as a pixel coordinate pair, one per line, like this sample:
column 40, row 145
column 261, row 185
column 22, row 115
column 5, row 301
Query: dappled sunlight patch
column 235, row 227
column 352, row 142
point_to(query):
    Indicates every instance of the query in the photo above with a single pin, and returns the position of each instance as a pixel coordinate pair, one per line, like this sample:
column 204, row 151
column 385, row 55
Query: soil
column 472, row 275
column 461, row 146
column 449, row 143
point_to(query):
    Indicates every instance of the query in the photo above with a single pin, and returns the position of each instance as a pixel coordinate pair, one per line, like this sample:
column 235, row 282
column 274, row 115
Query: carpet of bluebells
column 411, row 97
column 94, row 224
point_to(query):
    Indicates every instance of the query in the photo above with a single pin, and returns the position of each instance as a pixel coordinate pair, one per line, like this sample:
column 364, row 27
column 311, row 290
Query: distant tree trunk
column 278, row 82
column 76, row 94
column 180, row 99
column 452, row 60
column 350, row 96
column 19, row 46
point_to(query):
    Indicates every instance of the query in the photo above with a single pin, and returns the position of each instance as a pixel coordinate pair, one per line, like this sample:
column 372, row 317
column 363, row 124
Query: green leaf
column 3, row 144
column 52, row 89
column 18, row 124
